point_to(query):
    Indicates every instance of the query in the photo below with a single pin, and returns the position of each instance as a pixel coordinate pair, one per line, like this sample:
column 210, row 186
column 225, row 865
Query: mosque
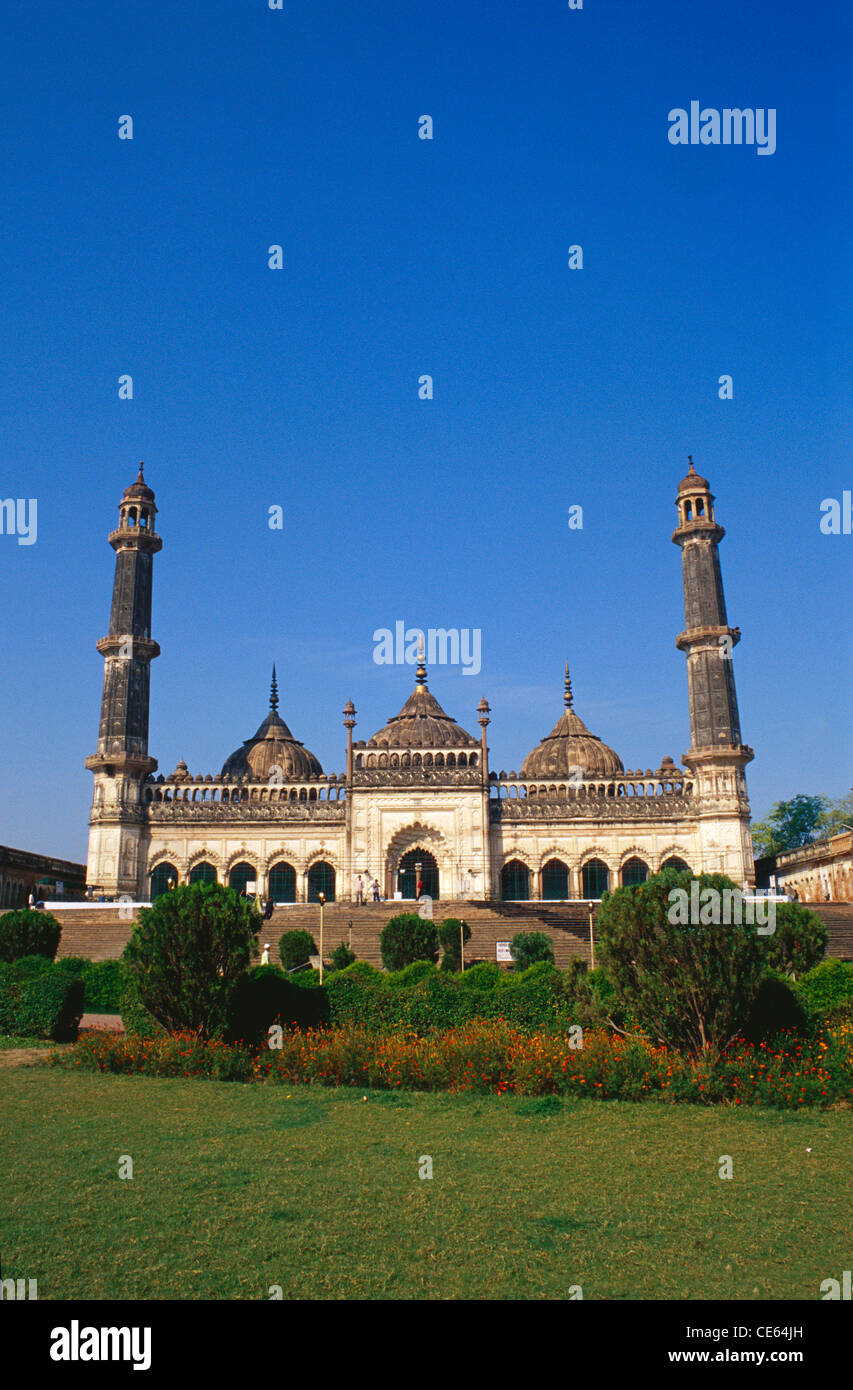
column 418, row 800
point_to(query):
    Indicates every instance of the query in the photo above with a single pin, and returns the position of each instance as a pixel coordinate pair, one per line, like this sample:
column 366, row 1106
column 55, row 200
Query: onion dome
column 138, row 491
column 571, row 747
column 693, row 479
column 273, row 749
column 422, row 723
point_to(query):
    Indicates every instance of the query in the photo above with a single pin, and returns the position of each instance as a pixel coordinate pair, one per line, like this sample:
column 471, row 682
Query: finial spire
column 567, row 686
column 273, row 690
column 421, row 672
column 690, row 461
column 140, row 479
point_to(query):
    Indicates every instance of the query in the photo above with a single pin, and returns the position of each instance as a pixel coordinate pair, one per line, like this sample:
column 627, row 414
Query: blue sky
column 299, row 387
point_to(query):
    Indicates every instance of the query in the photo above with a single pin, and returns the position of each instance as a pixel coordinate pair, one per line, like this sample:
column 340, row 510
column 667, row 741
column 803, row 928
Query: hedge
column 46, row 1004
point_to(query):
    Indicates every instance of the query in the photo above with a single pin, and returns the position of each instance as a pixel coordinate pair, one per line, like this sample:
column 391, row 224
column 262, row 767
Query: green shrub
column 295, row 947
column 486, row 974
column 342, row 956
column 138, row 1021
column 798, row 942
column 826, row 992
column 691, row 985
column 266, row 995
column 412, row 974
column 103, row 981
column 528, row 947
column 28, row 933
column 776, row 1009
column 25, row 967
column 46, row 1004
column 406, row 938
column 187, row 952
column 359, row 994
column 450, row 934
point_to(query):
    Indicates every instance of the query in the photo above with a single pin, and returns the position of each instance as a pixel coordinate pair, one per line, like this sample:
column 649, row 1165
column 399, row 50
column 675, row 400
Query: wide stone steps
column 101, row 934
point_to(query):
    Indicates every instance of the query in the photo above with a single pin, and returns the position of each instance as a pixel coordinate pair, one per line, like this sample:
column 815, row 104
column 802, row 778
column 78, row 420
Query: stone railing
column 207, row 812
column 417, row 777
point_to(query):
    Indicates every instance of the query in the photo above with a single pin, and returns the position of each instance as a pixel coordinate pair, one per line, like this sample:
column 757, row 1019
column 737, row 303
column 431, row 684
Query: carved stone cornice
column 215, row 812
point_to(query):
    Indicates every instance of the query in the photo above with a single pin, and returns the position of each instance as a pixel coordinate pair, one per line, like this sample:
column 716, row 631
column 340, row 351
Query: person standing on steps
column 375, row 886
column 359, row 892
column 420, row 887
column 265, row 954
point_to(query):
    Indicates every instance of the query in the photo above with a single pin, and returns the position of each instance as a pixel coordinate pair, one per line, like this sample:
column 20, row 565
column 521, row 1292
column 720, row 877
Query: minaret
column 717, row 756
column 121, row 763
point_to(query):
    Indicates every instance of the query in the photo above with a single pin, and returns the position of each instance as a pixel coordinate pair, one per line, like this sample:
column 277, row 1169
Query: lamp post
column 321, row 898
column 349, row 933
column 591, row 939
column 462, row 944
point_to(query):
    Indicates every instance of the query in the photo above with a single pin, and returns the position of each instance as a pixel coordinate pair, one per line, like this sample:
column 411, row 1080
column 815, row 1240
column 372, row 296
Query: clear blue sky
column 553, row 387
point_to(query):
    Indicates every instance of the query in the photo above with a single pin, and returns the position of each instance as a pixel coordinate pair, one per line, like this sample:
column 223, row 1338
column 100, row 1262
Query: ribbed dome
column 422, row 724
column 138, row 491
column 570, row 746
column 272, row 747
column 693, row 480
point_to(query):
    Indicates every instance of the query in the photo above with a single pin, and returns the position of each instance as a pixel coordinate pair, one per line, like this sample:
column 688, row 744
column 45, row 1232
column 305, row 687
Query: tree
column 28, row 933
column 690, row 984
column 450, row 934
column 528, row 947
column 295, row 947
column 187, row 952
column 406, row 938
column 790, row 824
column 838, row 815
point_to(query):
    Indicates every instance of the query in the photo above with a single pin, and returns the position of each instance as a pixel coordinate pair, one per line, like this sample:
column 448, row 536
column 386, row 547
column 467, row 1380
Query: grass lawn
column 239, row 1187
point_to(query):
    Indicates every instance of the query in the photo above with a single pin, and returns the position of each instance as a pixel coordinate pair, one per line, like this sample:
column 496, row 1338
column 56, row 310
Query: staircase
column 100, row 934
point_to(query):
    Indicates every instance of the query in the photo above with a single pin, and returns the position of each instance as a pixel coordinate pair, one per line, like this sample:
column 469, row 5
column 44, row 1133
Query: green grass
column 238, row 1187
column 10, row 1041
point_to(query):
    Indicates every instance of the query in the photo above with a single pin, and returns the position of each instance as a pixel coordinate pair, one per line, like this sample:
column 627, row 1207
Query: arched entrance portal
column 407, row 877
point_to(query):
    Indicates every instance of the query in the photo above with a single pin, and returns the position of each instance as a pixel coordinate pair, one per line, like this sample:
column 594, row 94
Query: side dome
column 569, row 748
column 422, row 723
column 272, row 747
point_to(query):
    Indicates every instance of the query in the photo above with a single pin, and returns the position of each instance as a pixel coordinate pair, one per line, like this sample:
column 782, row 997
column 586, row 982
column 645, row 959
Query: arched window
column 202, row 873
column 283, row 883
column 164, row 877
column 634, row 871
column 321, row 879
column 675, row 863
column 242, row 874
column 462, row 760
column 555, row 880
column 472, row 761
column 596, row 878
column 688, row 511
column 515, row 882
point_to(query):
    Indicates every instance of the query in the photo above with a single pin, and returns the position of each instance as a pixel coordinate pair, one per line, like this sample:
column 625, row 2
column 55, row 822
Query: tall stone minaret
column 121, row 764
column 717, row 756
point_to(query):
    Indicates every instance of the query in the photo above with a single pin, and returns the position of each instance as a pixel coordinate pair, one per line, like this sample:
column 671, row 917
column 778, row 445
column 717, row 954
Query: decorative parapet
column 423, row 776
column 213, row 812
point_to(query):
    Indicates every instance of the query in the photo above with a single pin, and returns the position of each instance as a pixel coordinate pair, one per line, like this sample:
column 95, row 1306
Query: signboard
column 251, row 885
column 502, row 951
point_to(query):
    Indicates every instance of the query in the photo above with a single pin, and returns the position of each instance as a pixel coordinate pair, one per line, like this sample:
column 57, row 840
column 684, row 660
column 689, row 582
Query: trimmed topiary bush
column 28, row 933
column 407, row 938
column 486, row 974
column 45, row 1004
column 528, row 947
column 295, row 947
column 776, row 1009
column 264, row 996
column 103, row 981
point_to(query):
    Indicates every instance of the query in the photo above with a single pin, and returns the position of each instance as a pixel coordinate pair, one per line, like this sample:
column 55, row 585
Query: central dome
column 570, row 749
column 273, row 748
column 422, row 723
